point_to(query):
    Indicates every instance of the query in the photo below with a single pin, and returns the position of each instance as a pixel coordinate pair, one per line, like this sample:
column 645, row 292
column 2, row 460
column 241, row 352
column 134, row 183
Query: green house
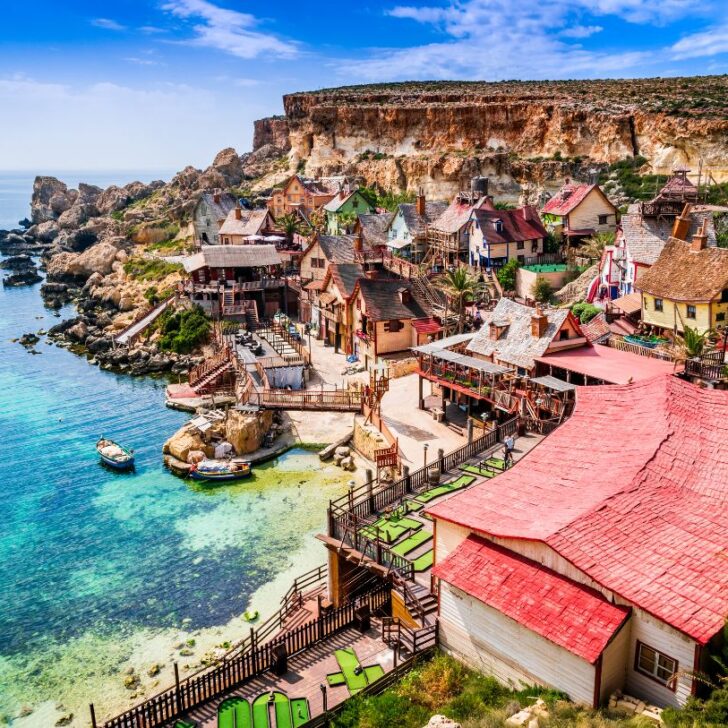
column 342, row 212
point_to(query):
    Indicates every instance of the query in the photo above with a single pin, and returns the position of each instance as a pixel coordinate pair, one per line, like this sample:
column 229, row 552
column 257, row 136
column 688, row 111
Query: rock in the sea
column 51, row 198
column 28, row 340
column 245, row 432
column 186, row 440
column 22, row 278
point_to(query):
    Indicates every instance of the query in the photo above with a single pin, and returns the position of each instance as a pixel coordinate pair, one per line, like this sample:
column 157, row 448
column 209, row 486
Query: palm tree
column 460, row 285
column 693, row 342
column 593, row 246
column 290, row 224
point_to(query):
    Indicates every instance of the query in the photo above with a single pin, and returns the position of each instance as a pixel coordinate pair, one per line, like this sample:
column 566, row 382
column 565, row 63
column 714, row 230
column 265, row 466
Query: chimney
column 539, row 323
column 681, row 226
column 238, row 212
column 421, row 202
column 216, row 197
column 700, row 239
column 358, row 242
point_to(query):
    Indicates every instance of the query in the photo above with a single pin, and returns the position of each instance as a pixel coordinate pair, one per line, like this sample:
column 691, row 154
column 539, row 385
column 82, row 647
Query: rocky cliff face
column 271, row 131
column 437, row 134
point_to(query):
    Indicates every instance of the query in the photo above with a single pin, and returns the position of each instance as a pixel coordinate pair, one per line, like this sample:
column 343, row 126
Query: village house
column 302, row 194
column 596, row 563
column 577, row 211
column 448, row 236
column 406, row 234
column 514, row 335
column 687, row 286
column 342, row 210
column 209, row 214
column 322, row 251
column 497, row 236
column 374, row 229
column 242, row 227
column 388, row 319
column 237, row 281
column 334, row 303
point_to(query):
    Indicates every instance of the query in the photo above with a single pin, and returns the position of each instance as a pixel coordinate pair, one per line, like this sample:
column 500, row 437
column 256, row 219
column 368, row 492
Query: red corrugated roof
column 610, row 365
column 568, row 614
column 427, row 326
column 567, row 198
column 633, row 491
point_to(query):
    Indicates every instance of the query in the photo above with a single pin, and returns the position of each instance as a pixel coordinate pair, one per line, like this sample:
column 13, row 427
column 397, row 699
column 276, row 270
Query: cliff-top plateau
column 436, row 134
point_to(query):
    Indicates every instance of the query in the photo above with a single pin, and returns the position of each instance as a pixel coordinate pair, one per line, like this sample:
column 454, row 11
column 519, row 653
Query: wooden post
column 370, row 492
column 441, row 459
column 253, row 649
column 177, row 689
column 93, row 715
column 324, row 698
column 470, row 430
column 407, row 480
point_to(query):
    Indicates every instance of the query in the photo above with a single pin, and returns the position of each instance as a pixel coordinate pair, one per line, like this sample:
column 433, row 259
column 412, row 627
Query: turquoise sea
column 102, row 572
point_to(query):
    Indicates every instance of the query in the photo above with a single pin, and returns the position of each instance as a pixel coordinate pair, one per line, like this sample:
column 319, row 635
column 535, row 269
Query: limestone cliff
column 438, row 134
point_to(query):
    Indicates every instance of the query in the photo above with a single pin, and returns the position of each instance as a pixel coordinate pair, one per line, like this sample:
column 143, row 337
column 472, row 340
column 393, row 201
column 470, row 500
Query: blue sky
column 157, row 84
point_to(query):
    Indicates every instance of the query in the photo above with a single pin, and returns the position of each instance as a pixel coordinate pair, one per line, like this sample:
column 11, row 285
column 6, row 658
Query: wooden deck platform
column 307, row 672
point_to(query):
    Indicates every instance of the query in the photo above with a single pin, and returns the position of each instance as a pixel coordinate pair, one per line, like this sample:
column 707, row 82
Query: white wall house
column 590, row 566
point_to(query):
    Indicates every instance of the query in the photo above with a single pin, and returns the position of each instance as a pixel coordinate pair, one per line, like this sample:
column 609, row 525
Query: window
column 724, row 296
column 720, row 317
column 563, row 334
column 658, row 304
column 690, row 312
column 355, row 203
column 393, row 326
column 520, row 245
column 603, row 219
column 534, row 246
column 654, row 664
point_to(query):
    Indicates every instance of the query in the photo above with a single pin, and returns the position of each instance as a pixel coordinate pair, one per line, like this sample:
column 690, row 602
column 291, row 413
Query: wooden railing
column 706, row 370
column 397, row 634
column 209, row 365
column 368, row 499
column 198, row 689
column 339, row 400
column 617, row 343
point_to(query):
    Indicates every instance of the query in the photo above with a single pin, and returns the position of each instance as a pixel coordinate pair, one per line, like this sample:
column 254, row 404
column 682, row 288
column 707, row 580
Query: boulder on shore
column 245, row 432
column 98, row 258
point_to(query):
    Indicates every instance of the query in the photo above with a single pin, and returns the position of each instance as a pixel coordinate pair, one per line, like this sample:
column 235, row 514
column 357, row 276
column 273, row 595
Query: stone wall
column 367, row 439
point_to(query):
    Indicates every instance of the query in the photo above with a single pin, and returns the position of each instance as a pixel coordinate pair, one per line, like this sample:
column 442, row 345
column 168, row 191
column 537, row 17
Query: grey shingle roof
column 417, row 224
column 516, row 345
column 383, row 301
column 232, row 256
column 374, row 228
column 346, row 275
column 218, row 210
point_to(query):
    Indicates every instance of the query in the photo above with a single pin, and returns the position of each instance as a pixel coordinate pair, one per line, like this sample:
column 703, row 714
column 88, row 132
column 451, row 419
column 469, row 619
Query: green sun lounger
column 234, row 713
column 260, row 712
column 300, row 712
column 424, row 562
column 282, row 707
column 412, row 542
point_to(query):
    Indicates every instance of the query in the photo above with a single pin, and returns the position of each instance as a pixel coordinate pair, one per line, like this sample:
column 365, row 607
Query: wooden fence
column 198, row 689
column 374, row 497
column 617, row 343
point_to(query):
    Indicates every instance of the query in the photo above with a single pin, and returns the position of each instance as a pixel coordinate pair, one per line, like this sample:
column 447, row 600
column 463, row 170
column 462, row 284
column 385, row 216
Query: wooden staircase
column 207, row 377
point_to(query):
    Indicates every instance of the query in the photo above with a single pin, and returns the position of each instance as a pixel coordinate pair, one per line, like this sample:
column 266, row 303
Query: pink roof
column 567, row 198
column 633, row 491
column 610, row 365
column 568, row 614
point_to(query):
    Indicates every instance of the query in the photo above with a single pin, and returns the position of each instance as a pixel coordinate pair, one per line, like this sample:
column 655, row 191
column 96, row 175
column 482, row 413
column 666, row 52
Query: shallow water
column 100, row 569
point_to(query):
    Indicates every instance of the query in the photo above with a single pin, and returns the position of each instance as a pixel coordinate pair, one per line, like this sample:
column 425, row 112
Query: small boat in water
column 114, row 455
column 220, row 470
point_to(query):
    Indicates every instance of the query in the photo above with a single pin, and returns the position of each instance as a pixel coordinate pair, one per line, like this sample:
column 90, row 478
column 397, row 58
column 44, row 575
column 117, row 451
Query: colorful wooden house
column 687, row 286
column 243, row 227
column 577, row 211
column 209, row 214
column 343, row 209
column 407, row 230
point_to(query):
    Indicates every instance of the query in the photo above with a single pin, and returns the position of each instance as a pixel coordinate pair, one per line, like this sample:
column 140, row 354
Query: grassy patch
column 444, row 685
column 636, row 186
column 183, row 331
column 149, row 269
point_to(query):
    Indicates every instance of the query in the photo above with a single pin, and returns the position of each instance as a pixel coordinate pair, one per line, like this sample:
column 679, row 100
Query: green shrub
column 710, row 713
column 183, row 331
column 585, row 311
column 149, row 269
column 382, row 711
column 541, row 290
column 117, row 215
column 464, row 706
column 507, row 275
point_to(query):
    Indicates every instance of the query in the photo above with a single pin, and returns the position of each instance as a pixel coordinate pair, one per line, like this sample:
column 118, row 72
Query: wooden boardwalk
column 327, row 400
column 307, row 672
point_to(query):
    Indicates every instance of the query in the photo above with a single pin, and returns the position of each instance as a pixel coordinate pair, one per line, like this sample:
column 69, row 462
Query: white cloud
column 503, row 39
column 581, row 31
column 711, row 42
column 229, row 31
column 107, row 24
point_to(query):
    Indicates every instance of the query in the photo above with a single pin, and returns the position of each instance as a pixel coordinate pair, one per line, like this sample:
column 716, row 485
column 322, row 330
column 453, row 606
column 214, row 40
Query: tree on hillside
column 507, row 275
column 593, row 247
column 460, row 285
column 541, row 290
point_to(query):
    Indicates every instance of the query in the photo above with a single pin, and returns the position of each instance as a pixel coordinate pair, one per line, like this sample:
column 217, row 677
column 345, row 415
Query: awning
column 427, row 326
column 570, row 615
column 629, row 304
column 558, row 385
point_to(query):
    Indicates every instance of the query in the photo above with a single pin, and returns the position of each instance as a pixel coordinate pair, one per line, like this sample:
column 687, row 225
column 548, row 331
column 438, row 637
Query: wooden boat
column 220, row 471
column 114, row 455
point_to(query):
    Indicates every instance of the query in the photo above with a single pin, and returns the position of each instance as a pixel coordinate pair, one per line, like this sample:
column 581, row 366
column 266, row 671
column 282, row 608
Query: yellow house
column 579, row 210
column 687, row 286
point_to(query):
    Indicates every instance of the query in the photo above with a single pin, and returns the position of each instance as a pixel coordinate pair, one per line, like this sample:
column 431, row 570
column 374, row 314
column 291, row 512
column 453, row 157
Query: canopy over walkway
column 140, row 323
